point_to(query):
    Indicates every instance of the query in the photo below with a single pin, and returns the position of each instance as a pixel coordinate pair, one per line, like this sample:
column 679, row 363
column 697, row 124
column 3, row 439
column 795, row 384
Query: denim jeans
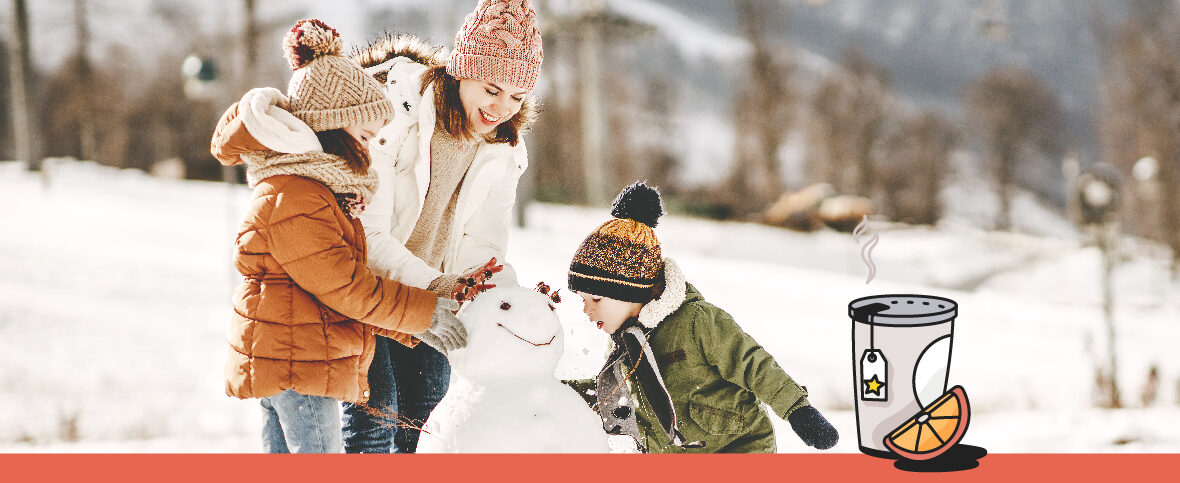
column 297, row 423
column 404, row 387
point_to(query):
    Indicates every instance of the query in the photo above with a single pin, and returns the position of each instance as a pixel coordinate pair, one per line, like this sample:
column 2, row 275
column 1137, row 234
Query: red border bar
column 567, row 468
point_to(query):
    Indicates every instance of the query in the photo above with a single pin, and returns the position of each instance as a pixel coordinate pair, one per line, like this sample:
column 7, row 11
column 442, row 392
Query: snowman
column 504, row 398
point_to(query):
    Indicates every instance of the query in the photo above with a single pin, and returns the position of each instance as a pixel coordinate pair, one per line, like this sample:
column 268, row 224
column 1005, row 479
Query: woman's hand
column 473, row 283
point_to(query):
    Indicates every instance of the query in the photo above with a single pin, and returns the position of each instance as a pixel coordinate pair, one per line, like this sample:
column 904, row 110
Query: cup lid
column 902, row 310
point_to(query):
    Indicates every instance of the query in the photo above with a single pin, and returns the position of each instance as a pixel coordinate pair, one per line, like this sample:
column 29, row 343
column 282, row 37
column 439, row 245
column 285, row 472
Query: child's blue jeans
column 297, row 423
column 404, row 387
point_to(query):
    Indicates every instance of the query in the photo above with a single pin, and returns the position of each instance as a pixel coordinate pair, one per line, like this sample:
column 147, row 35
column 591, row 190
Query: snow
column 116, row 290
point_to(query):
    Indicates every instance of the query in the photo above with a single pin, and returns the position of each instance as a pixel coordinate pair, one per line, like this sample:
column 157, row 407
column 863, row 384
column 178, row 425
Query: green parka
column 714, row 372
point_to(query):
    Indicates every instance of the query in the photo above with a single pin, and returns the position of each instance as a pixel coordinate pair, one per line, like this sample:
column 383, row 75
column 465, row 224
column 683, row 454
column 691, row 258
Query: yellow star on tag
column 873, row 385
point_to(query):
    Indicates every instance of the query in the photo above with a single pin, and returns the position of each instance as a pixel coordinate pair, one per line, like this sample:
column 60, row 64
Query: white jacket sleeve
column 485, row 235
column 388, row 256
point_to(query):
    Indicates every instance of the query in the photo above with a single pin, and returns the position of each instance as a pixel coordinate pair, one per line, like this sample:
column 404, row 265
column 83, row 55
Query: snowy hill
column 116, row 286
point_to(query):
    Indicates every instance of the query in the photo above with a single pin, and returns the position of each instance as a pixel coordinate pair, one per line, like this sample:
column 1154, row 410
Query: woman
column 302, row 334
column 448, row 162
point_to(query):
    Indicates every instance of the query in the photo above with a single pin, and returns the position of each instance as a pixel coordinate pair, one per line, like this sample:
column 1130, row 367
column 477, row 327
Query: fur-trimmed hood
column 675, row 293
column 391, row 47
column 398, row 61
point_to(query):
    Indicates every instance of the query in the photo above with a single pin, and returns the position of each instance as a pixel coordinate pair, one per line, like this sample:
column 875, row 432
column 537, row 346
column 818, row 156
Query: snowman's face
column 512, row 332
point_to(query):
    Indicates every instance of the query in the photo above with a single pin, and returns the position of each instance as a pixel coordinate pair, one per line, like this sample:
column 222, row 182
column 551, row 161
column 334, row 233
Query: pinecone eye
column 505, row 306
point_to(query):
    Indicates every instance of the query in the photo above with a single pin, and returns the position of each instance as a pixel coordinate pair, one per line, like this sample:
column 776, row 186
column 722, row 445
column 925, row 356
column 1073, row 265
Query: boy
column 695, row 378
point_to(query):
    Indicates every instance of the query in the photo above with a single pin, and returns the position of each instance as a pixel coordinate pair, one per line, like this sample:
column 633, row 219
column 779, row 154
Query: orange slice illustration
column 935, row 429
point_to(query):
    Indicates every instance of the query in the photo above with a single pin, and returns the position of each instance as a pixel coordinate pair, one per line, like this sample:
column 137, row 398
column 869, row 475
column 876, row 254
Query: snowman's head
column 512, row 333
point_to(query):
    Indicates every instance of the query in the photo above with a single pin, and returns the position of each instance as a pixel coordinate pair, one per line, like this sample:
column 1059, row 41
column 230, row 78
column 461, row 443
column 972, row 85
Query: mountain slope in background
column 931, row 49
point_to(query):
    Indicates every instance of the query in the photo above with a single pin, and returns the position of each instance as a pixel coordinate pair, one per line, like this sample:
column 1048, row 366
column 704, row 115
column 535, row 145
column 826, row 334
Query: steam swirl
column 866, row 249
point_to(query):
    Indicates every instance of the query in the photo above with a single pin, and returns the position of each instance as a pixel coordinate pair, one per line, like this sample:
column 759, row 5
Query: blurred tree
column 639, row 109
column 5, row 104
column 76, row 95
column 81, row 94
column 555, row 160
column 554, row 156
column 182, row 125
column 1141, row 117
column 251, row 30
column 582, row 139
column 113, row 111
column 656, row 148
column 914, row 168
column 620, row 155
column 73, row 94
column 849, row 111
column 1019, row 118
column 590, row 109
column 26, row 139
column 762, row 112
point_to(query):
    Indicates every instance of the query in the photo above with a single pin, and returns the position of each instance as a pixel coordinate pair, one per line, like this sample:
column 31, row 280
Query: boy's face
column 606, row 313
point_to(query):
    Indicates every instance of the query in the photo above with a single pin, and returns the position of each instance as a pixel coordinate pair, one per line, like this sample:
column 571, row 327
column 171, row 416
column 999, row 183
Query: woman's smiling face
column 489, row 104
column 606, row 313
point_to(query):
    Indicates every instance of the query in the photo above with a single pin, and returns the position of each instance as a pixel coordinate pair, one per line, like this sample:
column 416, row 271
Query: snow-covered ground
column 115, row 287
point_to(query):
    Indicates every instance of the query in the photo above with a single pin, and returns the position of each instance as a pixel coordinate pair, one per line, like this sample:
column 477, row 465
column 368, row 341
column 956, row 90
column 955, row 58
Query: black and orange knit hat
column 621, row 259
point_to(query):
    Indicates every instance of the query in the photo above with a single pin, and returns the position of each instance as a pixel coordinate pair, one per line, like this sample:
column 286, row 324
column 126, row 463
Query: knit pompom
column 310, row 39
column 638, row 202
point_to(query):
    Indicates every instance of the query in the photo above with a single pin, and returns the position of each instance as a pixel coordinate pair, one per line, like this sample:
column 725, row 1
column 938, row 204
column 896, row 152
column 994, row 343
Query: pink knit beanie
column 500, row 42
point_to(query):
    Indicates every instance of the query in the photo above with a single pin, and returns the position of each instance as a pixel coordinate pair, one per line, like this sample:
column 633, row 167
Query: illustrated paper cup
column 901, row 356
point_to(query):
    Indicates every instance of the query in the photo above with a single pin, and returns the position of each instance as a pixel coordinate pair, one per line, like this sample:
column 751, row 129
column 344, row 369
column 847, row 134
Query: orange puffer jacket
column 297, row 321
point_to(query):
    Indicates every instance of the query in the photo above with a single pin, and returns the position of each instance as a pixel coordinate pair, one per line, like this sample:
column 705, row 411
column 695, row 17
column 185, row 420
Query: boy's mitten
column 813, row 428
column 446, row 333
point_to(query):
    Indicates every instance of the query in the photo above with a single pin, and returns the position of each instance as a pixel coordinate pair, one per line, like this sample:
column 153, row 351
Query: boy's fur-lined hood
column 674, row 295
column 392, row 46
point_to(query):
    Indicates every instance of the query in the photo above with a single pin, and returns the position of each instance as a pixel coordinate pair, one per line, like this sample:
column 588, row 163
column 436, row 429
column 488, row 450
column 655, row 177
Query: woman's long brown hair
column 340, row 143
column 451, row 116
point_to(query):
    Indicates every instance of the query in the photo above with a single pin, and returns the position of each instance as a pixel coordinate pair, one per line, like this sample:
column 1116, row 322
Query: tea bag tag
column 873, row 370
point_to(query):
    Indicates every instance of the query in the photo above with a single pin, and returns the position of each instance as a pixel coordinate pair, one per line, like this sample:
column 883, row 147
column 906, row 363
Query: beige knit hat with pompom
column 328, row 91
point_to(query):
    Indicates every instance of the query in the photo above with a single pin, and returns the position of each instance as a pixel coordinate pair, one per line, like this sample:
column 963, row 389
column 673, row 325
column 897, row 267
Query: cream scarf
column 353, row 191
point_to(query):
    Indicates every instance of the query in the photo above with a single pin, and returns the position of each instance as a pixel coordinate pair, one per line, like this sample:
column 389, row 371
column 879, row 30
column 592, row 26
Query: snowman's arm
column 584, row 388
column 741, row 360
